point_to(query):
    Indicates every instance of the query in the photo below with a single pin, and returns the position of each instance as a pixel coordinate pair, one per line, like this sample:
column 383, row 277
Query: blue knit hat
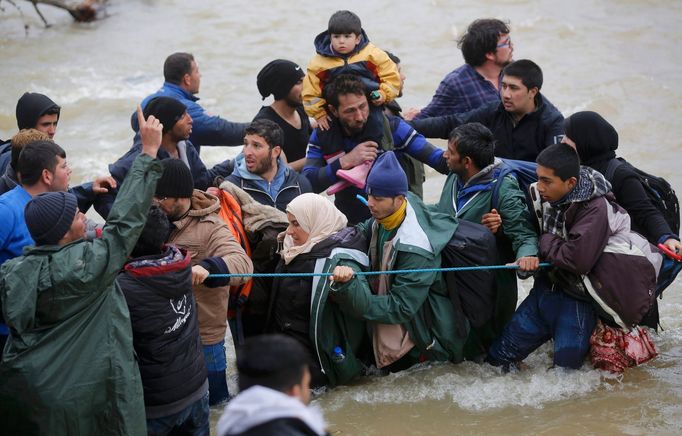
column 49, row 216
column 386, row 178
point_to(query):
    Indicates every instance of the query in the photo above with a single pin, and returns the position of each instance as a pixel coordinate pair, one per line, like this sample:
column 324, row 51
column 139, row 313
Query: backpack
column 659, row 191
column 471, row 292
column 525, row 175
column 231, row 212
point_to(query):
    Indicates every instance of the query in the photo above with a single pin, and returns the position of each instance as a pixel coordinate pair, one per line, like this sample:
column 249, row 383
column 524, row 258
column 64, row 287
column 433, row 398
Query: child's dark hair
column 153, row 235
column 343, row 22
column 274, row 361
column 562, row 159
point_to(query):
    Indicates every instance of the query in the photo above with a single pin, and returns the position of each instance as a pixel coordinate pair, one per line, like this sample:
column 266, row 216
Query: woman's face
column 298, row 235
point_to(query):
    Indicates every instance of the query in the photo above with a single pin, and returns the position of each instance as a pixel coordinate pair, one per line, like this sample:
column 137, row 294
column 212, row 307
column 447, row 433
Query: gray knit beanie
column 49, row 216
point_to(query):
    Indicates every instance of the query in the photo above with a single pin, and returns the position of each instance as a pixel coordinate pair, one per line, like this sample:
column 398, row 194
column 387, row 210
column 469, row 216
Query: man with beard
column 181, row 82
column 487, row 49
column 284, row 80
column 197, row 228
column 346, row 145
column 261, row 171
column 177, row 129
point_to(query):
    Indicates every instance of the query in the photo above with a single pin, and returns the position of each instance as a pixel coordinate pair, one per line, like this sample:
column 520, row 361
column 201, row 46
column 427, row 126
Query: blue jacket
column 14, row 235
column 206, row 129
column 286, row 185
column 203, row 177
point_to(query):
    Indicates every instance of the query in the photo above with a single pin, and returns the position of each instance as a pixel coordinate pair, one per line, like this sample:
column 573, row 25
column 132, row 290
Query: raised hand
column 151, row 130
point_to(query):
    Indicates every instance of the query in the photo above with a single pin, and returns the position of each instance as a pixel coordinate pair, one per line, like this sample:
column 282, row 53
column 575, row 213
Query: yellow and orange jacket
column 369, row 62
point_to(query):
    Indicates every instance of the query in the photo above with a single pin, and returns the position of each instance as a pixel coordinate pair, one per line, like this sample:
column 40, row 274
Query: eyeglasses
column 506, row 43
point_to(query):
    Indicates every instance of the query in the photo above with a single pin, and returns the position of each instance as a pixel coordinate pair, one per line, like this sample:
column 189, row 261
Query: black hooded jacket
column 596, row 142
column 30, row 107
column 165, row 332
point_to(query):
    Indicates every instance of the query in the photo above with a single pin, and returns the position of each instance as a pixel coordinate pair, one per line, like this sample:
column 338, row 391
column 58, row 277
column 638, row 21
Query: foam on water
column 473, row 387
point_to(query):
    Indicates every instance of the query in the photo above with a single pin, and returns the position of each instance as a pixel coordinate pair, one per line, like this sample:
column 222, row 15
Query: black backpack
column 472, row 293
column 659, row 191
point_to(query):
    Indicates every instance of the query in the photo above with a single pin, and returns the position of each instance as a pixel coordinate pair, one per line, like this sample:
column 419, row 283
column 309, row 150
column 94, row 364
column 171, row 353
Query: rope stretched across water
column 372, row 273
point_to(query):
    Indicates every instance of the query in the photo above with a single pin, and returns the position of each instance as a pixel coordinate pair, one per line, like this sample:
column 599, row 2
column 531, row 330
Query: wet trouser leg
column 216, row 364
column 545, row 315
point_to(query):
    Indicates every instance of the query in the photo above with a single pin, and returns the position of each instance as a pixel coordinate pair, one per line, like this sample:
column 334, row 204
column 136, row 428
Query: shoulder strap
column 497, row 184
column 611, row 168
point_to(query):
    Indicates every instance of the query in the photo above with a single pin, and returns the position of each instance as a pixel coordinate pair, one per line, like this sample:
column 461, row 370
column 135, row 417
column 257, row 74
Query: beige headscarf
column 318, row 217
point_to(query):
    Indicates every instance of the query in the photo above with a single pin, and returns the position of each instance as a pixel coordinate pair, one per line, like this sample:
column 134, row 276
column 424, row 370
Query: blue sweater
column 14, row 235
column 206, row 129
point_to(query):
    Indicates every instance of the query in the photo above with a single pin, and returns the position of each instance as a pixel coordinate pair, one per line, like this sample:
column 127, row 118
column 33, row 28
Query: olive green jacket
column 69, row 367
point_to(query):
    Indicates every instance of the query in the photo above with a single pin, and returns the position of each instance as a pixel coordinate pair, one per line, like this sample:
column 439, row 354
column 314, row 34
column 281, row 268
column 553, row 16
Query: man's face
column 453, row 159
column 59, row 179
column 193, row 79
column 352, row 112
column 77, row 229
column 258, row 156
column 182, row 128
column 517, row 99
column 503, row 54
column 174, row 208
column 48, row 124
column 344, row 43
column 381, row 207
column 295, row 96
column 551, row 187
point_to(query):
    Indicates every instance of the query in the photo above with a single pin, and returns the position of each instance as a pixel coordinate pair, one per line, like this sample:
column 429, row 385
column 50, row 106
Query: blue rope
column 373, row 273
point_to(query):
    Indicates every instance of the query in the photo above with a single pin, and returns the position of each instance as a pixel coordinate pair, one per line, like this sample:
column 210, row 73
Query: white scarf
column 318, row 217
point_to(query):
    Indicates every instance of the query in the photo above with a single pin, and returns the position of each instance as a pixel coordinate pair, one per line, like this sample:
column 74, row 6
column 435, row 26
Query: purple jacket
column 621, row 265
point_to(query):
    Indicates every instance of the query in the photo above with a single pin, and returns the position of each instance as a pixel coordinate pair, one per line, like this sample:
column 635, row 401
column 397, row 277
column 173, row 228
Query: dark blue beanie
column 49, row 216
column 386, row 178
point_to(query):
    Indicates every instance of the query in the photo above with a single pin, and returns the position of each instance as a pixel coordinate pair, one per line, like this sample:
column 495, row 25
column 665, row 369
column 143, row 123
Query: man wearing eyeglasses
column 524, row 123
column 487, row 48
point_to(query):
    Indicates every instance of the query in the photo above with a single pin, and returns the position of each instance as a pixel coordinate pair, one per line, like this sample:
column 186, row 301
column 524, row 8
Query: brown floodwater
column 621, row 58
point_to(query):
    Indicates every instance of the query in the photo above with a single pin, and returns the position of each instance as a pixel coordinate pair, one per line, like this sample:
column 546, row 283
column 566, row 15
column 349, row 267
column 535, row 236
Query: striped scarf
column 591, row 184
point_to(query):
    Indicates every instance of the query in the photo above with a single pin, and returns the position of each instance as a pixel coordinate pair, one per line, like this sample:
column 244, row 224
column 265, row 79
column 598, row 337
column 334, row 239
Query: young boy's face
column 344, row 43
column 551, row 187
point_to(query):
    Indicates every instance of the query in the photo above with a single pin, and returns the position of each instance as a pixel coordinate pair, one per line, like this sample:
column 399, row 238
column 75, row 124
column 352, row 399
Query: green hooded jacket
column 69, row 367
column 516, row 238
column 419, row 301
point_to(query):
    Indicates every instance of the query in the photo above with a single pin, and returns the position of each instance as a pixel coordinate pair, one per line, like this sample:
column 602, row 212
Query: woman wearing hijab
column 316, row 241
column 596, row 142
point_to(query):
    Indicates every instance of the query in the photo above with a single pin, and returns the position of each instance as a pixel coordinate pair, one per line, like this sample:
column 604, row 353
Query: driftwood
column 85, row 11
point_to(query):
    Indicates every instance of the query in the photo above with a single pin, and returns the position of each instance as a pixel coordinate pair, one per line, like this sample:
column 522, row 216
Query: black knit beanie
column 176, row 180
column 166, row 109
column 277, row 78
column 32, row 106
column 49, row 216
